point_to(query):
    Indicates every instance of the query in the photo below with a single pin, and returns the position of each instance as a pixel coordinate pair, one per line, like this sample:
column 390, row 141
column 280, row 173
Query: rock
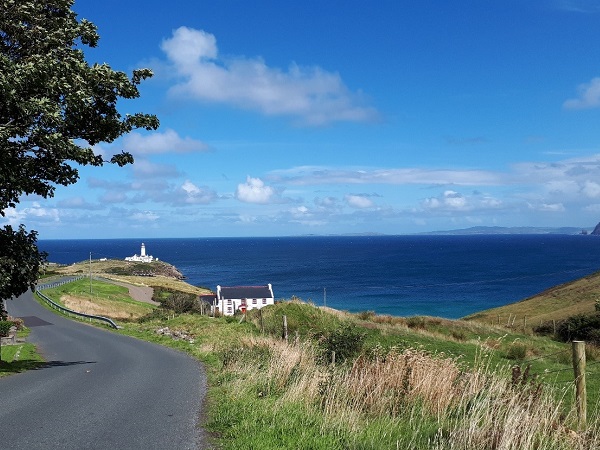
column 596, row 230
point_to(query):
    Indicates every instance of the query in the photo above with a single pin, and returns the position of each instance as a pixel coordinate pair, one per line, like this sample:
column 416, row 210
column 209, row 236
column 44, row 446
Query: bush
column 416, row 322
column 580, row 327
column 516, row 350
column 181, row 303
column 346, row 341
column 546, row 328
column 17, row 322
column 5, row 326
column 366, row 315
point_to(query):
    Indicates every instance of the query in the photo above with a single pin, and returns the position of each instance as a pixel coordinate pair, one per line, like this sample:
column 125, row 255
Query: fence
column 67, row 311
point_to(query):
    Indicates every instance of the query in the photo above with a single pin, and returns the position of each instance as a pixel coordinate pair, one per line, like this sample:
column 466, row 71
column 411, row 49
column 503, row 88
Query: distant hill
column 510, row 230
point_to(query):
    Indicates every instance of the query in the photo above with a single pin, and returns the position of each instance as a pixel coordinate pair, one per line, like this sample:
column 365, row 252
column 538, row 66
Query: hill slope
column 154, row 274
column 556, row 303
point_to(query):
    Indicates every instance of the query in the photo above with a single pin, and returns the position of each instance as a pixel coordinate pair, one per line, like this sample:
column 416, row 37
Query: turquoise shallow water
column 446, row 276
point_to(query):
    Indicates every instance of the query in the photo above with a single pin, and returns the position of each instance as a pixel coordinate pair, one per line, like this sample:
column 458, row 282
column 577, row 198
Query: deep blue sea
column 445, row 276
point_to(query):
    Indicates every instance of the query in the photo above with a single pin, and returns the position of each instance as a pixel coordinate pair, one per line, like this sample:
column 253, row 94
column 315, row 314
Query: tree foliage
column 54, row 107
column 19, row 263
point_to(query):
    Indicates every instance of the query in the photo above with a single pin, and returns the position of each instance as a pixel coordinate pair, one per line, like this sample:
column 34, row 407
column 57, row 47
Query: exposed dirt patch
column 139, row 293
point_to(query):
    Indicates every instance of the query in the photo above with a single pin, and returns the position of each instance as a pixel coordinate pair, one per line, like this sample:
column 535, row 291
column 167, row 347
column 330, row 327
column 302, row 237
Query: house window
column 229, row 302
column 264, row 301
column 229, row 309
column 254, row 301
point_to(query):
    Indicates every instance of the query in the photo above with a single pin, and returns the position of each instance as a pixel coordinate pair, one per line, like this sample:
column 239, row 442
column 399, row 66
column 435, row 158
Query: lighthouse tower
column 142, row 258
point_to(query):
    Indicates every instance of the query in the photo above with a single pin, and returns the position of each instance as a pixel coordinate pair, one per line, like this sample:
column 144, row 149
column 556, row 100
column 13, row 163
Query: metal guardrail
column 68, row 311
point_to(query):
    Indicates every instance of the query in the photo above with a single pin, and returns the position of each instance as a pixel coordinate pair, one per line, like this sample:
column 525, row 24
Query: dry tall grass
column 472, row 409
column 104, row 307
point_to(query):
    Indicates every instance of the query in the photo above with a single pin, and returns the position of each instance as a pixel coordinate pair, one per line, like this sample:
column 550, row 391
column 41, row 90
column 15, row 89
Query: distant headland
column 514, row 230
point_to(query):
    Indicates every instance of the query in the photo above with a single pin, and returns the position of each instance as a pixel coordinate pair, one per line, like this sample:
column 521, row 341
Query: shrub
column 346, row 341
column 5, row 326
column 580, row 327
column 516, row 350
column 181, row 303
column 417, row 322
column 546, row 329
column 366, row 315
column 17, row 322
column 459, row 335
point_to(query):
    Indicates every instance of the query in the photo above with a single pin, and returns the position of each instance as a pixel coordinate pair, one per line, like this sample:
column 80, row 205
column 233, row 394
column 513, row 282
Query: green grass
column 20, row 357
column 100, row 298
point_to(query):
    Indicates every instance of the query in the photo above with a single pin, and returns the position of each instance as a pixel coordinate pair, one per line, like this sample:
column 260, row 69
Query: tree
column 54, row 107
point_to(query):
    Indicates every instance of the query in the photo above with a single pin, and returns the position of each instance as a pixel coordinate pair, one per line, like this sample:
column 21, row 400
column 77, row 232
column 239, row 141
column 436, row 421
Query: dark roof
column 246, row 292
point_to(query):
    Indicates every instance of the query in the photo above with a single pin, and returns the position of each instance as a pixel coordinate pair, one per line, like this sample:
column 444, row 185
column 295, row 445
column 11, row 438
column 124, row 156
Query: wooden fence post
column 580, row 390
column 285, row 329
column 262, row 323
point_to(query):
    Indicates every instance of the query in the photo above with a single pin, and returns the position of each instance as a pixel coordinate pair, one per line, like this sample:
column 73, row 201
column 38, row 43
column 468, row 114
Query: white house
column 230, row 299
column 142, row 258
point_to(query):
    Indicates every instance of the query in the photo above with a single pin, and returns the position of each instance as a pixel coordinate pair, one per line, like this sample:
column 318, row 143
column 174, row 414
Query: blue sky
column 327, row 117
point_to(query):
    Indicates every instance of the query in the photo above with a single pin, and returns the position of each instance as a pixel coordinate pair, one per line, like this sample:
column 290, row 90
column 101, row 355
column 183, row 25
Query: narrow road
column 99, row 390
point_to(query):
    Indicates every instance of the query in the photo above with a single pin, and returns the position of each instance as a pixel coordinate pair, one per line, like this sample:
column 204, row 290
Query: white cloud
column 455, row 201
column 113, row 197
column 548, row 207
column 167, row 142
column 358, row 201
column 254, row 191
column 197, row 195
column 313, row 95
column 35, row 213
column 145, row 169
column 588, row 96
column 449, row 200
column 77, row 203
column 310, row 175
column 144, row 216
column 591, row 189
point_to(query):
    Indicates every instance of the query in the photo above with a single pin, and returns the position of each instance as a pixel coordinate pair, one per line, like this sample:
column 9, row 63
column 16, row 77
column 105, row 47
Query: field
column 359, row 381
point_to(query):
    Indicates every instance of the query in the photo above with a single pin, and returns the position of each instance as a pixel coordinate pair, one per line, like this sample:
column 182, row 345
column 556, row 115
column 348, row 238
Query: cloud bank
column 312, row 95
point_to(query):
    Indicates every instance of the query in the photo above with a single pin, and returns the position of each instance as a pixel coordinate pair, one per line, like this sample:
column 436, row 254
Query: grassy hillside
column 417, row 382
column 154, row 274
column 557, row 303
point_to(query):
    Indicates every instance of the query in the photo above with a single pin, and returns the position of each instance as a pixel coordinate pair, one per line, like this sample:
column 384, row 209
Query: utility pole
column 90, row 272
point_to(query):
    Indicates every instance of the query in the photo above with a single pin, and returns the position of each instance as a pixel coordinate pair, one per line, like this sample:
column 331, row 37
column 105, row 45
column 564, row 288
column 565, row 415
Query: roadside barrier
column 68, row 311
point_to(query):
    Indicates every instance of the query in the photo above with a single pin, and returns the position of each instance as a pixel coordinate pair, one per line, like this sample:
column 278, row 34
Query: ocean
column 443, row 276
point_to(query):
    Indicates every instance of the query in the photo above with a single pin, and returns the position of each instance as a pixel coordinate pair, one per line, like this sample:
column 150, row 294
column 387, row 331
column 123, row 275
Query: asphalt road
column 99, row 390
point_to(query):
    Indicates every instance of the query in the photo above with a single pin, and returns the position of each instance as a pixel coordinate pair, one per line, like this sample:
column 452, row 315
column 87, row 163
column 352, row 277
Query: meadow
column 359, row 381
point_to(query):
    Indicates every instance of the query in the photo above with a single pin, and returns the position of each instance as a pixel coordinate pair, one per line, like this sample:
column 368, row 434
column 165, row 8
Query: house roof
column 246, row 292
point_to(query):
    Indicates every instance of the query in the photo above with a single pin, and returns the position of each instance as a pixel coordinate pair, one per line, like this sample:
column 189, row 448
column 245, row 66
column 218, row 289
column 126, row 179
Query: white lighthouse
column 142, row 257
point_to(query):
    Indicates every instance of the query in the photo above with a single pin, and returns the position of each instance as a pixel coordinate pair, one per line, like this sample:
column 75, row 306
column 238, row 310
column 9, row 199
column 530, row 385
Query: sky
column 283, row 118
